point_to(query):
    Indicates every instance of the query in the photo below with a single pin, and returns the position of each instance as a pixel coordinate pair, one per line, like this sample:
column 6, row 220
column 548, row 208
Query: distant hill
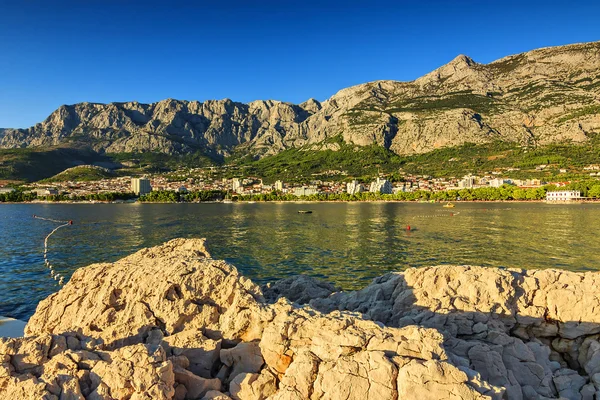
column 32, row 164
column 82, row 173
column 544, row 96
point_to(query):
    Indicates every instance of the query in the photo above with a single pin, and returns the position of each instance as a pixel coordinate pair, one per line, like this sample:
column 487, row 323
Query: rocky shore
column 170, row 322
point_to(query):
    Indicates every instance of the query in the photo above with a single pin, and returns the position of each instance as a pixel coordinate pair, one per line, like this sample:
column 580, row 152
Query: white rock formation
column 171, row 323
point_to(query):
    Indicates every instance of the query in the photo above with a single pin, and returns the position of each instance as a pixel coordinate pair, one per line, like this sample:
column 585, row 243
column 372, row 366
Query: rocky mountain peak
column 461, row 101
column 457, row 70
column 311, row 105
column 462, row 61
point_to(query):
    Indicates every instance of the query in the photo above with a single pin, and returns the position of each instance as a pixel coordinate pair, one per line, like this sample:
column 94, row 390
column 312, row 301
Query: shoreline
column 305, row 202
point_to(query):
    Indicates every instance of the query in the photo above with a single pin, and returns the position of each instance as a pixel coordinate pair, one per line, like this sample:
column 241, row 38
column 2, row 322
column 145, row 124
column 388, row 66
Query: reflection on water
column 347, row 243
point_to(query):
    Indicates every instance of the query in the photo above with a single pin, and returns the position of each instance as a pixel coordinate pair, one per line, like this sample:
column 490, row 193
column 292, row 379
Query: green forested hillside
column 308, row 163
column 305, row 163
column 33, row 164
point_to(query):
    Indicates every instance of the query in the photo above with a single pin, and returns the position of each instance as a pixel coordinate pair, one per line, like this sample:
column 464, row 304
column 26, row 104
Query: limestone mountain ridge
column 538, row 97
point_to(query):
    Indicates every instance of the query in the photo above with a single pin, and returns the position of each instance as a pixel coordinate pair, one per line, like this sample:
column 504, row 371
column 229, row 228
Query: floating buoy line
column 56, row 276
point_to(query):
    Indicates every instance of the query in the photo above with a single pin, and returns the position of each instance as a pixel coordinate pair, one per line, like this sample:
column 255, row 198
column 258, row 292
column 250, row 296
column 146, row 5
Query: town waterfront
column 346, row 243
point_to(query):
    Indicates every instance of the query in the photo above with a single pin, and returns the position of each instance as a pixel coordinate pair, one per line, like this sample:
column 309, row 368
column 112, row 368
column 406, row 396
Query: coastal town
column 188, row 180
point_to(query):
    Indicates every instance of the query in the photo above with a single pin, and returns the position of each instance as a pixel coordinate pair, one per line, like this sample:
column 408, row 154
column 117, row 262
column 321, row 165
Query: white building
column 496, row 182
column 46, row 192
column 381, row 186
column 279, row 186
column 305, row 191
column 467, row 182
column 236, row 185
column 354, row 187
column 563, row 195
column 140, row 186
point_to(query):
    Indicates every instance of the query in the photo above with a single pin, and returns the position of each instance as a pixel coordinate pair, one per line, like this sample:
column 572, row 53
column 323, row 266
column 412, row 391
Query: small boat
column 304, row 212
column 448, row 205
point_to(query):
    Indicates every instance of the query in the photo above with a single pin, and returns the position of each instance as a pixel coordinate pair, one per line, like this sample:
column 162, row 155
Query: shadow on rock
column 534, row 333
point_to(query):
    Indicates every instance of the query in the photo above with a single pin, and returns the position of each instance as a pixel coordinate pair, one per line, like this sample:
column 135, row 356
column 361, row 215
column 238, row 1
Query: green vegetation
column 205, row 195
column 303, row 164
column 107, row 196
column 81, row 174
column 478, row 103
column 484, row 158
column 161, row 196
column 505, row 192
column 33, row 164
column 580, row 113
column 159, row 162
column 508, row 65
column 17, row 196
column 361, row 117
column 593, row 85
column 363, row 163
column 529, row 90
column 168, row 196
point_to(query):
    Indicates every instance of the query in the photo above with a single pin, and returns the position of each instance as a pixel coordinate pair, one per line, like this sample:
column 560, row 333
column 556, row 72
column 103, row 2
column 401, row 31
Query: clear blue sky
column 64, row 52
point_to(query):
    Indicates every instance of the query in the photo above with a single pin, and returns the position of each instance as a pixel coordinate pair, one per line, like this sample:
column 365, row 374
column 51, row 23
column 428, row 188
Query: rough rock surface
column 542, row 96
column 300, row 289
column 170, row 322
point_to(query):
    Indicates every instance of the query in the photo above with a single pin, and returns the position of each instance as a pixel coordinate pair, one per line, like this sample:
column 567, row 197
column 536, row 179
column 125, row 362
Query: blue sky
column 64, row 52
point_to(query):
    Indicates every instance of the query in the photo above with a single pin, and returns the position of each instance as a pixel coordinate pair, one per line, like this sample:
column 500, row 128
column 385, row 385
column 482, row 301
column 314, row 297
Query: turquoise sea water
column 346, row 243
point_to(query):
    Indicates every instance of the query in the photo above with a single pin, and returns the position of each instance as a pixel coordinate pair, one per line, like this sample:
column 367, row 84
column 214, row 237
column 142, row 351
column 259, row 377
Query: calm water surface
column 346, row 243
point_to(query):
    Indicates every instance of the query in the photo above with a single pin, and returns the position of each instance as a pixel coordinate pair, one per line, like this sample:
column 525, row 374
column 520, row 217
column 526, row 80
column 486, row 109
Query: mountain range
column 543, row 96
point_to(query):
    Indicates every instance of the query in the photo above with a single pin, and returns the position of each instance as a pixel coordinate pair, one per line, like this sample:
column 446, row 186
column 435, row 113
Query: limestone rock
column 125, row 304
column 434, row 380
column 513, row 327
column 171, row 323
column 248, row 386
column 200, row 352
column 129, row 372
column 245, row 357
column 195, row 385
column 300, row 289
column 215, row 395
